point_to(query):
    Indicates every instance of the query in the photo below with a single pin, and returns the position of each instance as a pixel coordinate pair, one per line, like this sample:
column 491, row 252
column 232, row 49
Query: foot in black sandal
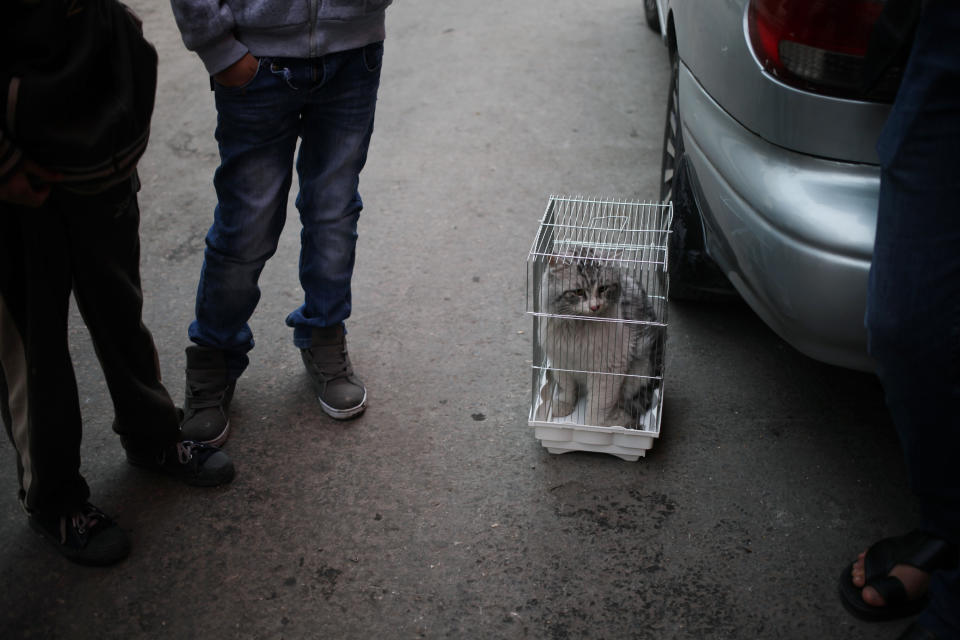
column 919, row 550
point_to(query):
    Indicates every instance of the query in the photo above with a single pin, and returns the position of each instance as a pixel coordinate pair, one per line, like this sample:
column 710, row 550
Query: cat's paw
column 620, row 419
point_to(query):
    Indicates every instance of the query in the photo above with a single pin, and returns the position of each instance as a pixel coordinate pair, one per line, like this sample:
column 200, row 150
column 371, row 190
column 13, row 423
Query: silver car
column 769, row 157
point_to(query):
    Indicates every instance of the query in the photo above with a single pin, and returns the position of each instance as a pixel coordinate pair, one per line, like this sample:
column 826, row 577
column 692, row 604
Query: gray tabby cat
column 615, row 364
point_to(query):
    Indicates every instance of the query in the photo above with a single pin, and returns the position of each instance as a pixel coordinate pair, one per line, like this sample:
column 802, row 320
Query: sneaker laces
column 189, row 451
column 185, row 451
column 334, row 355
column 82, row 521
column 205, row 394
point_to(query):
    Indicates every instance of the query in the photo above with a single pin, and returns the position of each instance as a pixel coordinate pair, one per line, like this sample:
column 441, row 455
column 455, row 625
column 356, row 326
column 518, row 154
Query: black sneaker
column 207, row 398
column 87, row 536
column 195, row 463
column 341, row 394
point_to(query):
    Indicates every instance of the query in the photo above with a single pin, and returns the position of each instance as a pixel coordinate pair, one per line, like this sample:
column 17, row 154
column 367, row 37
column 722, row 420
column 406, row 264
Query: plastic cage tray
column 597, row 288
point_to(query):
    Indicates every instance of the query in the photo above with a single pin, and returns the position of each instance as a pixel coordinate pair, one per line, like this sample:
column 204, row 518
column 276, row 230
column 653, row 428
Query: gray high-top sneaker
column 341, row 394
column 206, row 403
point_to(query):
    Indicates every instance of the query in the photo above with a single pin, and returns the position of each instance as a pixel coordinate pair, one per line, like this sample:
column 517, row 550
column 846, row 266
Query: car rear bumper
column 793, row 233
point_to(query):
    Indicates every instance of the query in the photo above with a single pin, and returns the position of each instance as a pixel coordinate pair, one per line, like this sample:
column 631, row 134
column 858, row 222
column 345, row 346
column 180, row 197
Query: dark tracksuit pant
column 88, row 245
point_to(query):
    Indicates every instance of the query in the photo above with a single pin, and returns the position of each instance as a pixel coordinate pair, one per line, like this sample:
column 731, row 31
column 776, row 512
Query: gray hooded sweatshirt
column 222, row 31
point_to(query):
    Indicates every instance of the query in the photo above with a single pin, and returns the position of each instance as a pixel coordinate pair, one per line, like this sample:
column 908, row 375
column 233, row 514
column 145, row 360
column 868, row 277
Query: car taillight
column 815, row 45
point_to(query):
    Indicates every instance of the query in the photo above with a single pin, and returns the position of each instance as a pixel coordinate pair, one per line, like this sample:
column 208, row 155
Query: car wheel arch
column 694, row 273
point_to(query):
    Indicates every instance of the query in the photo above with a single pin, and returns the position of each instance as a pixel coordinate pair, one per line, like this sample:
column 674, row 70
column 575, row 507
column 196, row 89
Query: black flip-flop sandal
column 916, row 549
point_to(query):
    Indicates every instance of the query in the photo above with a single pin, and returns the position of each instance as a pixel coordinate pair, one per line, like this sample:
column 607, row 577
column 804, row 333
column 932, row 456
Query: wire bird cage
column 597, row 290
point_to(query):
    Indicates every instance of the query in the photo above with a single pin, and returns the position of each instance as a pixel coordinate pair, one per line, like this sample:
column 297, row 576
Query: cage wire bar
column 597, row 289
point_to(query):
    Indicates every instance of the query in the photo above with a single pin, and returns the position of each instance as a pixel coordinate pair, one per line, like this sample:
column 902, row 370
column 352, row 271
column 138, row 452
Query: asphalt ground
column 437, row 514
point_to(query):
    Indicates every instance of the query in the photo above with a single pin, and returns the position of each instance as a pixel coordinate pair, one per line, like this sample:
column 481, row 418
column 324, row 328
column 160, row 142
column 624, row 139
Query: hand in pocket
column 239, row 73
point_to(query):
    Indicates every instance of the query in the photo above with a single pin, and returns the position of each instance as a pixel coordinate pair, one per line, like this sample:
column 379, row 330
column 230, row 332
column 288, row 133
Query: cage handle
column 599, row 219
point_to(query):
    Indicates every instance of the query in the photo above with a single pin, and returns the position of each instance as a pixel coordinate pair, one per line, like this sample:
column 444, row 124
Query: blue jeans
column 913, row 301
column 329, row 103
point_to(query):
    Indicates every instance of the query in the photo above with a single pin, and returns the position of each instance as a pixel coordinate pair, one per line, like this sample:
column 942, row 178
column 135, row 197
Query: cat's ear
column 560, row 258
column 557, row 264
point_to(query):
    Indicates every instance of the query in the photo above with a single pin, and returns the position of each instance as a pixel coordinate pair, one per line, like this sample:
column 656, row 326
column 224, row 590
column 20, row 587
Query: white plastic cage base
column 563, row 435
column 626, row 445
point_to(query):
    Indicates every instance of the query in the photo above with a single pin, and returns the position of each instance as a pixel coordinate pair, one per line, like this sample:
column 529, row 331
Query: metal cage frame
column 617, row 233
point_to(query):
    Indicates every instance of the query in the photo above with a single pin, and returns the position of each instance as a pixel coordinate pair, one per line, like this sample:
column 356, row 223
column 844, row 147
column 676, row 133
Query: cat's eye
column 581, row 293
column 601, row 290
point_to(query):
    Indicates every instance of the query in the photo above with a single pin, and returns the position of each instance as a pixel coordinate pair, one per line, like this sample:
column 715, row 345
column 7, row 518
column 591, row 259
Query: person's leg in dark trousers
column 40, row 404
column 89, row 244
column 105, row 261
column 913, row 314
column 104, row 247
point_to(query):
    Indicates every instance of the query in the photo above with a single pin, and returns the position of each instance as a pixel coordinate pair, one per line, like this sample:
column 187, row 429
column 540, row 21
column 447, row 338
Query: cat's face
column 579, row 288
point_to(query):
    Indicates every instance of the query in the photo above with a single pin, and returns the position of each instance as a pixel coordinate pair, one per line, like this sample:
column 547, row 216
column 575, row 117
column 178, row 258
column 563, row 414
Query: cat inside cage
column 597, row 288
